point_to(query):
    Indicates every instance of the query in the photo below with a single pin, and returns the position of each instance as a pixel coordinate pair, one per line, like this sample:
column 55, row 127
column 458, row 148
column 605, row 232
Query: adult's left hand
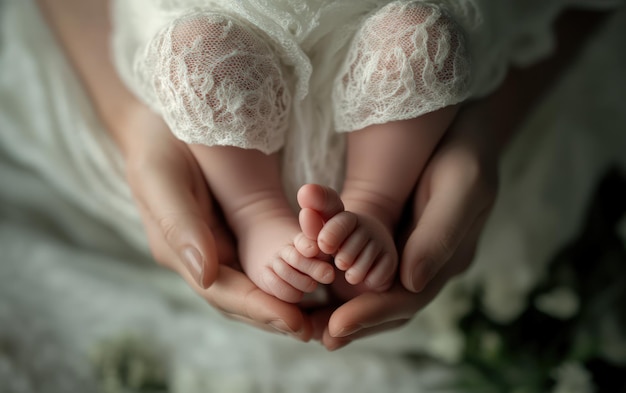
column 452, row 201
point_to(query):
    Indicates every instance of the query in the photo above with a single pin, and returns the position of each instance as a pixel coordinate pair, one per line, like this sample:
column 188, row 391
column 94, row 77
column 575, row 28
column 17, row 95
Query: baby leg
column 227, row 87
column 384, row 162
column 248, row 187
column 383, row 165
column 397, row 70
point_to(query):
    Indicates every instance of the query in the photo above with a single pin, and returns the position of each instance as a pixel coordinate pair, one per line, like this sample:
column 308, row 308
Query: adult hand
column 174, row 201
column 456, row 192
column 186, row 234
column 454, row 195
column 453, row 199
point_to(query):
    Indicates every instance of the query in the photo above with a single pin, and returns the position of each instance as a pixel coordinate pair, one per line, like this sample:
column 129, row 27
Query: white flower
column 572, row 377
column 561, row 303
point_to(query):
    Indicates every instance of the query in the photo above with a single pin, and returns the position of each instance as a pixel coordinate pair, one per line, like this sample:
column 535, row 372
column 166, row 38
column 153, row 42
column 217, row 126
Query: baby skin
column 351, row 232
column 265, row 226
column 288, row 256
column 357, row 227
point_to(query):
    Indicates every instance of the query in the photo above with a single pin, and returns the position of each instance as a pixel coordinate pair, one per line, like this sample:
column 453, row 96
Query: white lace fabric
column 321, row 56
column 408, row 59
column 217, row 82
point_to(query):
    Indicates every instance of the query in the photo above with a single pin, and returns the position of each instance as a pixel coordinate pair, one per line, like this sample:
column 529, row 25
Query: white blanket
column 78, row 291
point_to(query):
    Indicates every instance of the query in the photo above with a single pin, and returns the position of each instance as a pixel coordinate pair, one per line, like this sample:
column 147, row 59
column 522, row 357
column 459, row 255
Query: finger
column 176, row 212
column 319, row 321
column 372, row 313
column 159, row 248
column 167, row 257
column 233, row 293
column 276, row 328
column 237, row 297
column 450, row 212
column 334, row 343
column 376, row 308
column 162, row 252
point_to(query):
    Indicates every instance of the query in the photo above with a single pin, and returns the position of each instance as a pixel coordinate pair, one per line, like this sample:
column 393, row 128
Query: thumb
column 177, row 225
column 442, row 226
column 192, row 241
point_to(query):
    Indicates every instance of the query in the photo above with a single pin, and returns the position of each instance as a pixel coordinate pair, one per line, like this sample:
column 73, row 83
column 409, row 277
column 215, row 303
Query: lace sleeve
column 409, row 58
column 216, row 82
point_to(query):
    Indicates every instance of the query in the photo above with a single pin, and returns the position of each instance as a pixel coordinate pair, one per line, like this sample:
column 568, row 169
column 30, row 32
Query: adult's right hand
column 185, row 233
column 174, row 201
column 188, row 235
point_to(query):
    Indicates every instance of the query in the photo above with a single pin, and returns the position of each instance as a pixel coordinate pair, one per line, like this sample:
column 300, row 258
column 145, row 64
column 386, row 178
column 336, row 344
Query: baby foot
column 362, row 246
column 271, row 261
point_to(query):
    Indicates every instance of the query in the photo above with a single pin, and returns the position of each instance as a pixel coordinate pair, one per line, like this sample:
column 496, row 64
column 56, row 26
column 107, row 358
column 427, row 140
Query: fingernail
column 328, row 277
column 193, row 261
column 417, row 280
column 415, row 283
column 348, row 330
column 281, row 326
column 337, row 345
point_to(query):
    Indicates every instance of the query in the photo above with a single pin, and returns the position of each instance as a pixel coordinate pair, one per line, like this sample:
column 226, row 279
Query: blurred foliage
column 130, row 364
column 525, row 354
